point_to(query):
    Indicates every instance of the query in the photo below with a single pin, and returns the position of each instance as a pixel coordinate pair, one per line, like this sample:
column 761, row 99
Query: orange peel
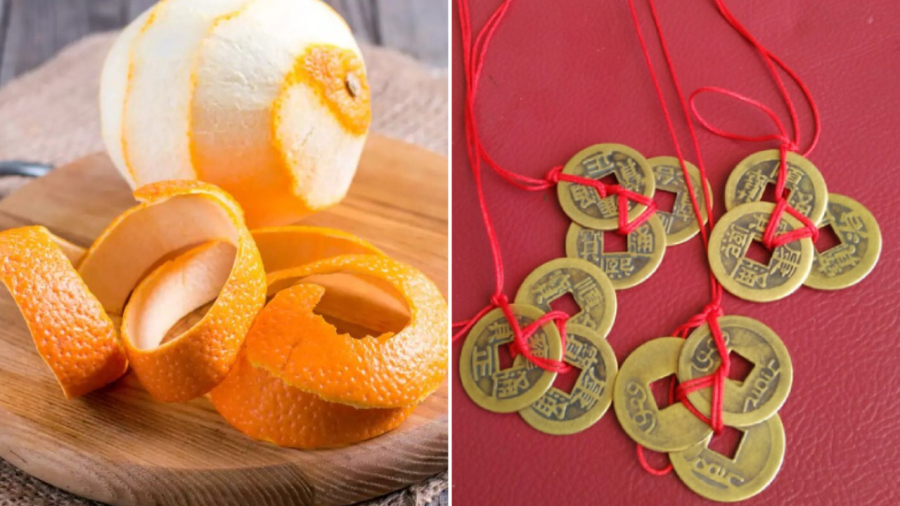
column 392, row 370
column 73, row 334
column 174, row 217
column 294, row 246
column 267, row 408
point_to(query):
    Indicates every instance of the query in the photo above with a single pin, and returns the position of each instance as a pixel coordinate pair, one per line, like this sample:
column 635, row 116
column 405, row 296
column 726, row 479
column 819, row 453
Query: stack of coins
column 526, row 388
column 750, row 406
column 796, row 263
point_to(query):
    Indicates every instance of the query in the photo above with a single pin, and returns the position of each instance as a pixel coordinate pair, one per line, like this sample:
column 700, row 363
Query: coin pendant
column 854, row 258
column 748, row 181
column 749, row 279
column 514, row 388
column 680, row 223
column 719, row 478
column 584, row 205
column 762, row 393
column 625, row 269
column 561, row 413
column 589, row 286
column 672, row 428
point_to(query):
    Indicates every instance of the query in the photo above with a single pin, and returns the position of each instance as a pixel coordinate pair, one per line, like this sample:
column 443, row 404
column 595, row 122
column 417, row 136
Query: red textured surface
column 564, row 75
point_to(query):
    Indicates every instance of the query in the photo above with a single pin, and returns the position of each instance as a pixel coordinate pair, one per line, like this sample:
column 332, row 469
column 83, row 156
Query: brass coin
column 561, row 413
column 670, row 429
column 646, row 246
column 849, row 262
column 588, row 285
column 681, row 223
column 748, row 279
column 762, row 393
column 748, row 181
column 584, row 205
column 719, row 478
column 514, row 388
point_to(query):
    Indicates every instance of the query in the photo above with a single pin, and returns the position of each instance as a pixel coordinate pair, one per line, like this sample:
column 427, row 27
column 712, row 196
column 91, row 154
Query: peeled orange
column 267, row 99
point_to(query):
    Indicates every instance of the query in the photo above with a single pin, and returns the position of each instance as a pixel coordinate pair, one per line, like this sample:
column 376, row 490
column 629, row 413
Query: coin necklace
column 589, row 273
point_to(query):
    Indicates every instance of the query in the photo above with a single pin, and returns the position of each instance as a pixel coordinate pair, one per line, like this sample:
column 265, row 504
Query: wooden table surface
column 31, row 31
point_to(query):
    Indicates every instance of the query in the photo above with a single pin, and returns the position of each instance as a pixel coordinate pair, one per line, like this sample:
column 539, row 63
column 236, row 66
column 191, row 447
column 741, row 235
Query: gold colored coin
column 748, row 181
column 514, row 388
column 583, row 204
column 719, row 478
column 748, row 279
column 625, row 269
column 854, row 258
column 561, row 413
column 762, row 393
column 681, row 223
column 670, row 429
column 589, row 286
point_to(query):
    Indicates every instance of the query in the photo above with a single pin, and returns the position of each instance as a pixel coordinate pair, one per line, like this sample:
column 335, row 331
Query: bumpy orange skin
column 72, row 332
column 388, row 371
column 194, row 362
column 326, row 69
column 266, row 408
column 294, row 246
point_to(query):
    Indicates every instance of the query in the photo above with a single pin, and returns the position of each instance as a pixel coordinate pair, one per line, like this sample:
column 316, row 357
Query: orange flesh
column 72, row 333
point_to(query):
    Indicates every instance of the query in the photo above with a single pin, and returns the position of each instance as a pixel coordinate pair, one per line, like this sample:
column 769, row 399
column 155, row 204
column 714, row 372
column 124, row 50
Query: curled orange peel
column 184, row 240
column 72, row 333
column 391, row 370
column 294, row 246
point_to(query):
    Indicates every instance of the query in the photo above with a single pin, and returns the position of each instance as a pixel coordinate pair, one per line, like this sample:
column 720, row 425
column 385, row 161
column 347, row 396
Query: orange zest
column 391, row 370
column 175, row 216
column 349, row 344
column 293, row 246
column 72, row 333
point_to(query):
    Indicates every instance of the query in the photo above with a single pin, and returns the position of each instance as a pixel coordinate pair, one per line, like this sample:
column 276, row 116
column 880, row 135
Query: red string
column 473, row 62
column 713, row 311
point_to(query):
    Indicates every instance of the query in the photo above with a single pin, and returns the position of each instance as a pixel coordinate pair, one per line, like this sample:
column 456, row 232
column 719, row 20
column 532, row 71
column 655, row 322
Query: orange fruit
column 152, row 237
column 391, row 370
column 267, row 99
column 72, row 333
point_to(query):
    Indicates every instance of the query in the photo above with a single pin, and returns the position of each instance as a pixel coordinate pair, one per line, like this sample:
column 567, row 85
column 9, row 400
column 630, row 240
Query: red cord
column 473, row 62
column 713, row 311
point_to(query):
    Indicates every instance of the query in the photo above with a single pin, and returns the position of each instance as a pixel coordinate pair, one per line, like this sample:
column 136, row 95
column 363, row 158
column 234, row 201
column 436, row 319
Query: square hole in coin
column 565, row 303
column 610, row 179
column 740, row 367
column 828, row 239
column 566, row 381
column 727, row 443
column 504, row 357
column 661, row 388
column 769, row 193
column 758, row 253
column 665, row 200
column 614, row 242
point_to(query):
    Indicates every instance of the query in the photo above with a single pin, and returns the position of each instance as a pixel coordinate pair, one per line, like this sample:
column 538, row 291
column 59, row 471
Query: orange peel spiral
column 72, row 333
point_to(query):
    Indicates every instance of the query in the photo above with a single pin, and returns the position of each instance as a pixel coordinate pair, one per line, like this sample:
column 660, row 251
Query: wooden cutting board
column 121, row 447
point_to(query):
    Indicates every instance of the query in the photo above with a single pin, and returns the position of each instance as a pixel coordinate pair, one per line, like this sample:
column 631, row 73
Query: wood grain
column 120, row 447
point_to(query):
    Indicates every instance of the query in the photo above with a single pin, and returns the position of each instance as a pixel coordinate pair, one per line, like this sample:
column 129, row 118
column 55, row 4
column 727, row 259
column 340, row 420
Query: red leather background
column 567, row 74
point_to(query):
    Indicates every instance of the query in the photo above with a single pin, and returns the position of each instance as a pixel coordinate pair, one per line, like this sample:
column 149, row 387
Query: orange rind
column 390, row 370
column 267, row 408
column 175, row 216
column 294, row 246
column 72, row 332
